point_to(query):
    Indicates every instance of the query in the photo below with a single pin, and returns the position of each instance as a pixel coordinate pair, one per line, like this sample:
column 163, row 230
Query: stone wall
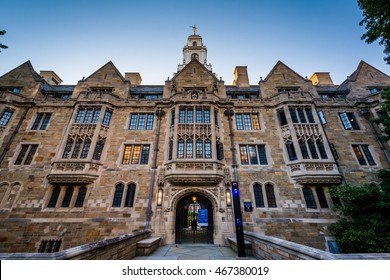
column 271, row 248
column 119, row 248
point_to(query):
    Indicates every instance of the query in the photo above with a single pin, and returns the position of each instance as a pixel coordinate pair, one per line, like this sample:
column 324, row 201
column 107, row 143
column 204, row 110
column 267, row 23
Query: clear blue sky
column 76, row 37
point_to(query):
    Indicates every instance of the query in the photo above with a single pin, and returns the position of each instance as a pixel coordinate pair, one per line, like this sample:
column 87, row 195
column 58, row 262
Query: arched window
column 258, row 192
column 67, row 197
column 194, row 44
column 189, row 148
column 54, row 197
column 321, row 197
column 129, row 202
column 80, row 197
column 117, row 201
column 309, row 198
column 269, row 191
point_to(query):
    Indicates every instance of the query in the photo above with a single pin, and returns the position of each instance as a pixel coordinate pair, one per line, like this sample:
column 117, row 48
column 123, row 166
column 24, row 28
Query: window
column 301, row 115
column 172, row 117
column 253, row 155
column 220, row 154
column 72, row 196
column 120, row 189
column 314, row 196
column 291, row 150
column 41, row 121
column 97, row 153
column 282, row 117
column 247, row 121
column 349, row 121
column 88, row 115
column 136, row 154
column 7, row 114
column 322, row 117
column 49, row 246
column 26, row 154
column 141, row 121
column 107, row 118
column 309, row 198
column 268, row 189
column 363, row 155
column 199, row 148
column 73, row 148
column 259, row 199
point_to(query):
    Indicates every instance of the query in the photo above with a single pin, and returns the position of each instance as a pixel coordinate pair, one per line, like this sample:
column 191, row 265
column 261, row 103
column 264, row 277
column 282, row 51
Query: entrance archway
column 194, row 220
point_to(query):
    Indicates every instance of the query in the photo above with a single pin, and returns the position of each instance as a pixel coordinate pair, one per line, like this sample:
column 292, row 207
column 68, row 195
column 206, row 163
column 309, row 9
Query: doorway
column 194, row 220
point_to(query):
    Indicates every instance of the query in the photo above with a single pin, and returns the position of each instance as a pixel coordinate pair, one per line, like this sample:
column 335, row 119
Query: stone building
column 109, row 156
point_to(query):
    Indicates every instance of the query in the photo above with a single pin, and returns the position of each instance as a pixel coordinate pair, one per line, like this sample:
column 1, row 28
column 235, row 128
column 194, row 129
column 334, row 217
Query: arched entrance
column 194, row 220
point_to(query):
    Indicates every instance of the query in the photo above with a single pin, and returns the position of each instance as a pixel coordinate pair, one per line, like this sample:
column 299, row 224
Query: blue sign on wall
column 203, row 217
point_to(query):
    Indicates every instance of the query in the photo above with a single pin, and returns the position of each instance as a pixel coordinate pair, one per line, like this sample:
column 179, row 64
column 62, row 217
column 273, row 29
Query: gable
column 194, row 75
column 106, row 76
column 23, row 75
column 283, row 76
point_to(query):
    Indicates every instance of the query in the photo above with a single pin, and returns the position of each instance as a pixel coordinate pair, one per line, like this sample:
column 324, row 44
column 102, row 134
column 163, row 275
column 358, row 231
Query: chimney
column 134, row 78
column 241, row 77
column 321, row 79
column 50, row 77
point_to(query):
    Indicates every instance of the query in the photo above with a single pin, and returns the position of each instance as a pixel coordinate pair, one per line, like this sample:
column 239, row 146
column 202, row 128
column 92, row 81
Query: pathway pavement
column 192, row 252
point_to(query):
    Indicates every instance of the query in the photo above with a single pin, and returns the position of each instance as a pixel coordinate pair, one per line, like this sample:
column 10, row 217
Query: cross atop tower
column 194, row 28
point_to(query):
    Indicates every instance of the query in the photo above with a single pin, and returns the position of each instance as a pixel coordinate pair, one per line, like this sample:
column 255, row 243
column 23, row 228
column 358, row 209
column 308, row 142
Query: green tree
column 2, row 32
column 376, row 19
column 364, row 226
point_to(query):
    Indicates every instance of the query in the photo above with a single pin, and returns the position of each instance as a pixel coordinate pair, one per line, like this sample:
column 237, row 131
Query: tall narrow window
column 170, row 150
column 172, row 117
column 321, row 148
column 97, row 153
column 199, row 117
column 54, row 197
column 269, row 191
column 368, row 155
column 96, row 115
column 282, row 117
column 77, row 148
column 239, row 122
column 244, row 155
column 26, row 154
column 207, row 148
column 136, row 154
column 7, row 114
column 309, row 115
column 258, row 192
column 180, row 148
column 133, row 121
column 291, row 150
column 252, row 154
column 85, row 150
column 141, row 121
column 130, row 193
column 309, row 198
column 145, row 154
column 301, row 115
column 220, row 153
column 107, row 118
column 206, row 113
column 262, row 154
column 216, row 117
column 67, row 197
column 190, row 115
column 68, row 149
column 304, row 151
column 80, row 197
column 80, row 116
column 321, row 198
column 149, row 122
column 199, row 148
column 312, row 148
column 189, row 148
column 247, row 122
column 182, row 115
column 293, row 115
column 117, row 201
column 322, row 117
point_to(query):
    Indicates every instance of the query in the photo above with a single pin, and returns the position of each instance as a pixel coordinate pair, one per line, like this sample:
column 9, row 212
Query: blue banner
column 203, row 217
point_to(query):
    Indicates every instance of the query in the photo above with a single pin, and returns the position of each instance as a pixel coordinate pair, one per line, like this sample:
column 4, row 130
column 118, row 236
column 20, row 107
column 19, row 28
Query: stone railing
column 272, row 248
column 119, row 248
column 73, row 172
column 315, row 172
column 194, row 172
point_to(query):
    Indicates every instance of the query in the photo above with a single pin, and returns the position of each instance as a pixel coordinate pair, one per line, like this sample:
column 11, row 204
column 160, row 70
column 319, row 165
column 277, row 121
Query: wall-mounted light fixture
column 159, row 197
column 228, row 197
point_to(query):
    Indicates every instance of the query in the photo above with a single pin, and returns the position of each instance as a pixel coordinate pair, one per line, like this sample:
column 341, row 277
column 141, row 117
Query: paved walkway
column 192, row 252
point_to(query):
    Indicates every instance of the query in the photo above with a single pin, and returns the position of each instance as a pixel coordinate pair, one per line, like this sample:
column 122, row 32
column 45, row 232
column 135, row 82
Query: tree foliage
column 384, row 117
column 364, row 226
column 376, row 19
column 2, row 32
